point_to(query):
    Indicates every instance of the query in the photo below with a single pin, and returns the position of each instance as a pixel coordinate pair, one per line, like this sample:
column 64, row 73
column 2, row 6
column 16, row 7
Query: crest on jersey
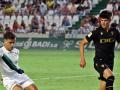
column 101, row 33
column 90, row 34
column 102, row 65
column 112, row 33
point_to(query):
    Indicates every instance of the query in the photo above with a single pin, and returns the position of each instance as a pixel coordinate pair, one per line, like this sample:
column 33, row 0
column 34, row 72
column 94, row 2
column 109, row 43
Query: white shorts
column 21, row 79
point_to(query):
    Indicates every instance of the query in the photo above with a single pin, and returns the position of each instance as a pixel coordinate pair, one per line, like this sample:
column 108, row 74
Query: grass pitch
column 59, row 70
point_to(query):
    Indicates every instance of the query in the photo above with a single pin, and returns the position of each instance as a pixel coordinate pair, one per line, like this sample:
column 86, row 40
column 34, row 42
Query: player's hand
column 82, row 63
column 20, row 71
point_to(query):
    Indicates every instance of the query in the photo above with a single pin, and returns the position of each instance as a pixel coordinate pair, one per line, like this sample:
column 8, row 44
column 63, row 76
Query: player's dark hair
column 106, row 14
column 9, row 35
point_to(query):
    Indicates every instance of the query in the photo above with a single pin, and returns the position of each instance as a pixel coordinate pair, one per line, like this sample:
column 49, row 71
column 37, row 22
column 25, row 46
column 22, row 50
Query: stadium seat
column 45, row 20
column 26, row 20
column 50, row 19
column 61, row 19
column 30, row 18
column 56, row 20
column 75, row 19
column 19, row 19
column 116, row 19
column 12, row 19
column 6, row 20
column 1, row 19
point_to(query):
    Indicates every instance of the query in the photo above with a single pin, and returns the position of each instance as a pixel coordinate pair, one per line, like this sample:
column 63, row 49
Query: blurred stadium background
column 48, row 35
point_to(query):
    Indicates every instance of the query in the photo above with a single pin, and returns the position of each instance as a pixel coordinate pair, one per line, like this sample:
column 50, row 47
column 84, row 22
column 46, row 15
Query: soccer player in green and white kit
column 13, row 76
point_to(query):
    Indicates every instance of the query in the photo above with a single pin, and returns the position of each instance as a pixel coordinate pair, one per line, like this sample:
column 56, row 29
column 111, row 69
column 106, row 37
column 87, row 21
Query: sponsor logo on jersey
column 107, row 40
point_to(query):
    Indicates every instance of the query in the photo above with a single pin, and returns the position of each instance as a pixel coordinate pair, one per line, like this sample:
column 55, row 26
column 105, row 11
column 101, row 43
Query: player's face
column 9, row 44
column 104, row 23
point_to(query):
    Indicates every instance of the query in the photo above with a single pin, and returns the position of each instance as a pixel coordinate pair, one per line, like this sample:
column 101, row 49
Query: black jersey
column 104, row 41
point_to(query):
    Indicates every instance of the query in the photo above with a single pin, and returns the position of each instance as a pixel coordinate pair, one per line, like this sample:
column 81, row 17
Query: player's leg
column 17, row 87
column 31, row 87
column 28, row 83
column 99, row 67
column 102, row 85
column 107, row 80
column 108, row 75
column 104, row 82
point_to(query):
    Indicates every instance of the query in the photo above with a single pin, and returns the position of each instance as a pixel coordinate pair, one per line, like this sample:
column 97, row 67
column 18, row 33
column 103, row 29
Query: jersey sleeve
column 118, row 36
column 90, row 36
column 18, row 54
column 1, row 53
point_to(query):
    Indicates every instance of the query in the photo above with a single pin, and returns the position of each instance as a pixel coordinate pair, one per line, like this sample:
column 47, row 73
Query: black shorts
column 101, row 64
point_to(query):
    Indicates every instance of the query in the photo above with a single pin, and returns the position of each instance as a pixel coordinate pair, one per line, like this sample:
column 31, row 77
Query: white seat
column 75, row 19
column 61, row 19
column 116, row 19
column 1, row 19
column 46, row 23
column 19, row 19
column 30, row 18
column 50, row 19
column 12, row 19
column 26, row 20
column 11, row 25
column 56, row 20
column 7, row 20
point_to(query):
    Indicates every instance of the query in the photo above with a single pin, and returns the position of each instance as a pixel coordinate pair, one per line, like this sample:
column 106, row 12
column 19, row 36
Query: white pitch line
column 62, row 77
column 42, row 78
column 67, row 77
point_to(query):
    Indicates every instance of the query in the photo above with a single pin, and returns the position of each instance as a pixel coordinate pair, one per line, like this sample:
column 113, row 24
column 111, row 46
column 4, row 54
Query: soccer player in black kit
column 104, row 39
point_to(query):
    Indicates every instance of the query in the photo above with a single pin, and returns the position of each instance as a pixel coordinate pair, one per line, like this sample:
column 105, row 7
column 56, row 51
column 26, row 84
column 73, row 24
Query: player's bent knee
column 107, row 72
column 32, row 87
column 35, row 87
column 17, row 87
column 109, row 82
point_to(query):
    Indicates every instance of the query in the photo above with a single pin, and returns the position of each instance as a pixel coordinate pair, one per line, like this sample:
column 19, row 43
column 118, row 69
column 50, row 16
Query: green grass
column 59, row 70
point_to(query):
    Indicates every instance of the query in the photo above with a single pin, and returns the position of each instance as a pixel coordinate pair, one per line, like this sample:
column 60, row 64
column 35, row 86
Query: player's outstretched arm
column 7, row 60
column 82, row 58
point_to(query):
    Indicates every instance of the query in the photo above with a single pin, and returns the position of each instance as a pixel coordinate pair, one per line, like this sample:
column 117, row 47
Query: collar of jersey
column 103, row 29
column 5, row 50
